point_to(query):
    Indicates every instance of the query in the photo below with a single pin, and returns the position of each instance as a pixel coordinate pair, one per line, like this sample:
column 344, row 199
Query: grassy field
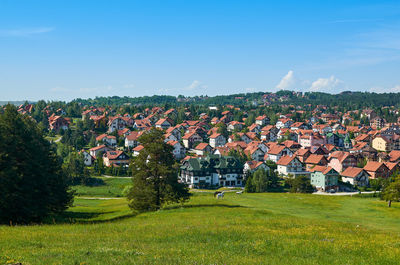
column 240, row 229
column 112, row 187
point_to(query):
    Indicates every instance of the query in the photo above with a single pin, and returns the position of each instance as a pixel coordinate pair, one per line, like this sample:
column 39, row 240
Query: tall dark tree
column 155, row 175
column 32, row 183
column 300, row 184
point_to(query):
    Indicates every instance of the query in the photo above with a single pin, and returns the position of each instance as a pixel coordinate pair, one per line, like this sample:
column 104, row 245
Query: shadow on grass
column 87, row 217
column 172, row 207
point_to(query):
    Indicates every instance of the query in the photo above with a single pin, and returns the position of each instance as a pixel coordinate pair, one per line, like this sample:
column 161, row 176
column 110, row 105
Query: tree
column 155, row 178
column 222, row 129
column 32, row 183
column 74, row 168
column 392, row 191
column 261, row 181
column 300, row 184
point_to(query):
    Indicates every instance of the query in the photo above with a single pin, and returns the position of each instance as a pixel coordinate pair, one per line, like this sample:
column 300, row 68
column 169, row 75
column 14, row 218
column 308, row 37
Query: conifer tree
column 155, row 175
column 32, row 183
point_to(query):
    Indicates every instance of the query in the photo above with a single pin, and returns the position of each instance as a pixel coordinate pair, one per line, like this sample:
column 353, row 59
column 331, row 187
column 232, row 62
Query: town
column 221, row 145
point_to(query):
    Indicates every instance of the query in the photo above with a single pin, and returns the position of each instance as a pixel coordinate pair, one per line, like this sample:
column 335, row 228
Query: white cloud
column 289, row 81
column 331, row 84
column 25, row 32
column 196, row 84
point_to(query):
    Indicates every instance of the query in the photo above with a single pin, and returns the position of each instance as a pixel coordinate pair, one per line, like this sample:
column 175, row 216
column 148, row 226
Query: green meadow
column 269, row 228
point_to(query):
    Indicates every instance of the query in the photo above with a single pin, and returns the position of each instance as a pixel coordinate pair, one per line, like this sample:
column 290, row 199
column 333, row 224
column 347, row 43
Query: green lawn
column 113, row 188
column 240, row 229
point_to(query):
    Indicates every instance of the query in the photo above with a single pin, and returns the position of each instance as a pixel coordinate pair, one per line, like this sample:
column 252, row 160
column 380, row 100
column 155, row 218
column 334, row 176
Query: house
column 303, row 154
column 57, row 123
column 393, row 167
column 217, row 139
column 254, row 128
column 179, row 150
column 308, row 140
column 355, row 176
column 131, row 140
column 175, row 131
column 254, row 152
column 298, row 125
column 203, row 149
column 190, row 139
column 385, row 143
column 284, row 123
column 137, row 150
column 277, row 151
column 340, row 160
column 115, row 158
column 290, row 165
column 235, row 126
column 88, row 160
column 98, row 150
column 116, row 123
column 164, row 123
column 262, row 120
column 325, row 178
column 315, row 160
column 252, row 166
column 106, row 139
column 376, row 169
column 212, row 170
column 394, row 156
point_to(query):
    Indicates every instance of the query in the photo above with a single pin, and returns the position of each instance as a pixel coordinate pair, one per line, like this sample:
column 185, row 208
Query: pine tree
column 32, row 183
column 155, row 178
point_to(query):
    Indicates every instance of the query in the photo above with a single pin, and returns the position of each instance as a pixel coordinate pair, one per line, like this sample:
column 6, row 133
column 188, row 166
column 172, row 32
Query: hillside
column 240, row 229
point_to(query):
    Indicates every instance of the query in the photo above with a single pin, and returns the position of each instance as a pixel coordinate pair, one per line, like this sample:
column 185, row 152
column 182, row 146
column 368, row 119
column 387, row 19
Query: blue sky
column 60, row 50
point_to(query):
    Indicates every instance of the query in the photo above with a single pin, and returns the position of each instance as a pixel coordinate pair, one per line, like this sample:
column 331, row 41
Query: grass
column 239, row 229
column 112, row 187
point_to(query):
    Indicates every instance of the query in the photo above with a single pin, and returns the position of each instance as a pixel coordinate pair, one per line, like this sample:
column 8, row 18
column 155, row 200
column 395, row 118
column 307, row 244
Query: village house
column 98, row 150
column 203, row 149
column 284, row 123
column 131, row 140
column 106, row 139
column 315, row 160
column 262, row 120
column 340, row 160
column 217, row 139
column 116, row 123
column 325, row 178
column 252, row 166
column 277, row 151
column 179, row 150
column 376, row 169
column 115, row 158
column 57, row 123
column 190, row 139
column 137, row 150
column 212, row 170
column 254, row 152
column 164, row 123
column 290, row 165
column 355, row 176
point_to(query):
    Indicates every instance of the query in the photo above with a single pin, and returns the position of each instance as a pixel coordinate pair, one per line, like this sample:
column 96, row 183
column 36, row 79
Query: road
column 343, row 193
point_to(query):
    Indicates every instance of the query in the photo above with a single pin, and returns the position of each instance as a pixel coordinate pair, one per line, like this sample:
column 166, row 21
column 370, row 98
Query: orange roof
column 352, row 172
column 314, row 159
column 285, row 160
column 373, row 166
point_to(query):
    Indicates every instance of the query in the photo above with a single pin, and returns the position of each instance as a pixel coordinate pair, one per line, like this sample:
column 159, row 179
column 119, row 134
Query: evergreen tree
column 392, row 191
column 32, row 183
column 155, row 178
column 300, row 184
